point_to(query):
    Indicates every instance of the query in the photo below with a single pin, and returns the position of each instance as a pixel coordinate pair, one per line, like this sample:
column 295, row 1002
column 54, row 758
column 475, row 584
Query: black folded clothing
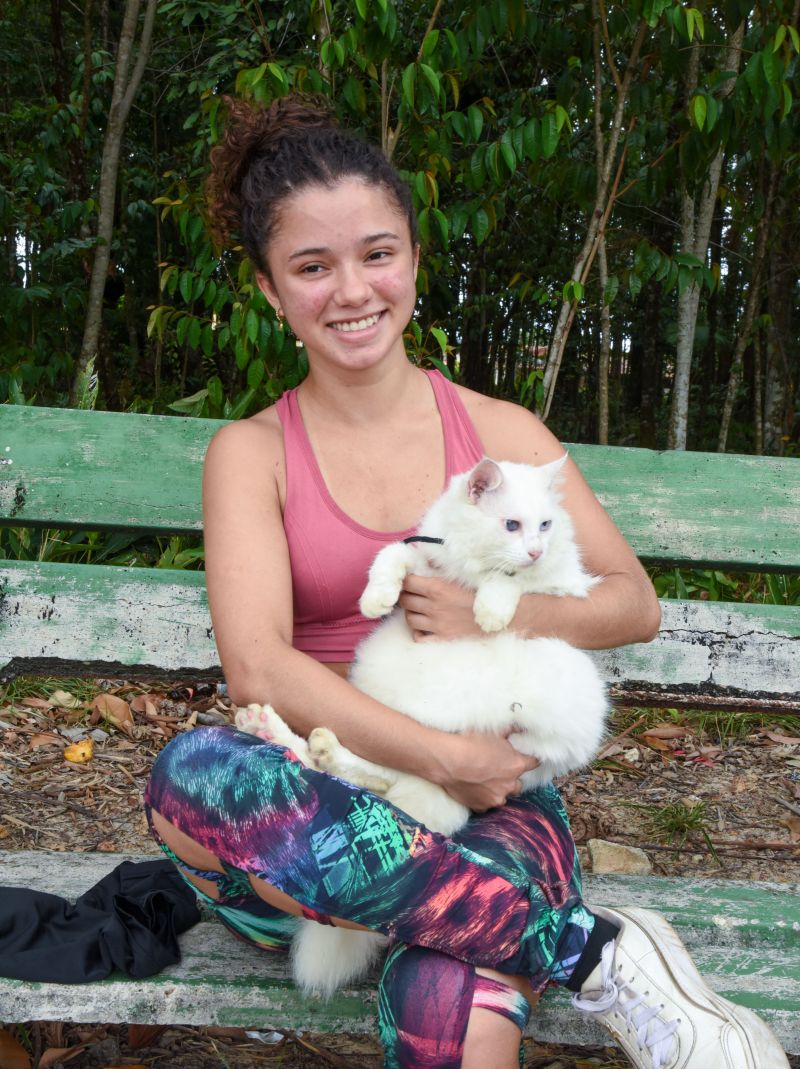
column 130, row 921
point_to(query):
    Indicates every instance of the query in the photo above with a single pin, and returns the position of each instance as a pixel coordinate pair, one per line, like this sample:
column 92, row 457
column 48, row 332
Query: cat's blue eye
column 545, row 525
column 513, row 525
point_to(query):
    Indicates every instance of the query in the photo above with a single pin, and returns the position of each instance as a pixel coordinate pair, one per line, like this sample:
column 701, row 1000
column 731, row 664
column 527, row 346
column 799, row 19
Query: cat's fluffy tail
column 325, row 958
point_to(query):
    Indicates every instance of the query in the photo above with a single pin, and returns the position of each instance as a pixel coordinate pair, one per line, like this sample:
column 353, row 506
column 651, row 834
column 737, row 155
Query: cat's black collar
column 423, row 538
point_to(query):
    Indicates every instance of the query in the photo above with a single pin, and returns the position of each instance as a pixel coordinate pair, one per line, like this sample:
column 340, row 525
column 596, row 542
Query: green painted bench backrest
column 114, row 471
column 109, row 470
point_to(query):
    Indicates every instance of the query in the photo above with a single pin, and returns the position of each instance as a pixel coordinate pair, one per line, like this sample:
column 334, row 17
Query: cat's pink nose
column 534, row 554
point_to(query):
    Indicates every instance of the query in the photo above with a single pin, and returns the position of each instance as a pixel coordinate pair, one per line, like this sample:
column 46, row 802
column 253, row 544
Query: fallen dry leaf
column 144, row 1035
column 80, row 752
column 655, row 743
column 793, row 824
column 59, row 1054
column 142, row 702
column 35, row 703
column 64, row 700
column 784, row 740
column 12, row 1053
column 115, row 710
column 44, row 739
column 667, row 731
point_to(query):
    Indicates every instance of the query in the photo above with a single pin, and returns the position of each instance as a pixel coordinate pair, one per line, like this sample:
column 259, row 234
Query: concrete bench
column 744, row 937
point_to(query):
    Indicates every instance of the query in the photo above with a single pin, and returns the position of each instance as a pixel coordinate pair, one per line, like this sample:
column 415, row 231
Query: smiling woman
column 297, row 502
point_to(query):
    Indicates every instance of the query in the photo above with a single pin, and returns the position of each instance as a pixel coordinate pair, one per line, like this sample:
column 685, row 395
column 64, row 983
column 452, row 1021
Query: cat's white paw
column 262, row 720
column 494, row 607
column 324, row 749
column 379, row 598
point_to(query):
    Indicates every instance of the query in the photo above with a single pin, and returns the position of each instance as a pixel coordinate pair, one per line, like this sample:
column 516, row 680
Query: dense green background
column 496, row 113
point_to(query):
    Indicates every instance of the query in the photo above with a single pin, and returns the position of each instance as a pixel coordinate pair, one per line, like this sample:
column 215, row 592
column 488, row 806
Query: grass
column 675, row 823
column 717, row 724
column 44, row 686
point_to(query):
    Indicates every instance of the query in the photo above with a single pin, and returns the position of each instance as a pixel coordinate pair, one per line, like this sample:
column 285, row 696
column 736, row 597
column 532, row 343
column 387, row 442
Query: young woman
column 298, row 500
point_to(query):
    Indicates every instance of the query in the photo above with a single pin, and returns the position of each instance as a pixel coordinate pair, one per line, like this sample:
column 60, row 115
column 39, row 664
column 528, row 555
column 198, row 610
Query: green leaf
column 190, row 405
column 194, row 333
column 477, row 167
column 685, row 259
column 475, row 120
column 185, row 286
column 532, row 139
column 441, row 222
column 772, row 67
column 430, row 43
column 242, row 404
column 611, row 290
column 241, row 352
column 255, row 373
column 507, row 152
column 492, row 165
column 251, row 325
column 441, row 366
column 787, row 100
column 441, row 338
column 433, row 79
column 549, row 134
column 215, row 394
column 780, row 37
column 698, row 110
column 480, row 225
column 795, row 36
column 409, row 81
column 182, row 328
column 361, row 8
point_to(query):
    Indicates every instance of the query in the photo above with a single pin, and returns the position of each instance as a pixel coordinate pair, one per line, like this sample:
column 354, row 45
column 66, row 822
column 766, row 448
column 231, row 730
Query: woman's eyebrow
column 321, row 250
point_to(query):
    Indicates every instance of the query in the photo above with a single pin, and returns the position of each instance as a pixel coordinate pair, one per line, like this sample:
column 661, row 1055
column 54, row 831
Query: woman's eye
column 545, row 525
column 379, row 254
column 513, row 525
column 310, row 269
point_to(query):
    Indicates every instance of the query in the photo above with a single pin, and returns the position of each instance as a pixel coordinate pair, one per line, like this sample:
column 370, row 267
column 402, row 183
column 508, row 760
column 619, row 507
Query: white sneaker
column 655, row 1003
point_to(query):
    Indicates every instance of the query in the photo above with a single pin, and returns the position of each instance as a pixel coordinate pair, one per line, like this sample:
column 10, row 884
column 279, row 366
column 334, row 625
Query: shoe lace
column 656, row 1036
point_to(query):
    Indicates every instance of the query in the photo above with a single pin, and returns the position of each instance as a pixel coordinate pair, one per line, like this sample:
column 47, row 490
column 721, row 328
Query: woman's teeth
column 357, row 324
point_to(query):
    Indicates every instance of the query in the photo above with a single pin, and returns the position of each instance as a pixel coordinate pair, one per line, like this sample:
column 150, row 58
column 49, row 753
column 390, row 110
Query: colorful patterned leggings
column 503, row 893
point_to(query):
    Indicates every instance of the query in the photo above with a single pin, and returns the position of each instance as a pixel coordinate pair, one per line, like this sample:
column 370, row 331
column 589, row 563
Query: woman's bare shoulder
column 508, row 431
column 258, row 434
column 249, row 449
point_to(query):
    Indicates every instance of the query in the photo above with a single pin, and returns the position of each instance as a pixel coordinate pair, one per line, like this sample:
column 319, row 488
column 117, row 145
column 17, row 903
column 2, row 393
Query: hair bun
column 252, row 131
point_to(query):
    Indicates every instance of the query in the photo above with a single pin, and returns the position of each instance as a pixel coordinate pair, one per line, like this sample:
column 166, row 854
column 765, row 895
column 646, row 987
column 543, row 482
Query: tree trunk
column 696, row 219
column 754, row 297
column 125, row 87
column 599, row 218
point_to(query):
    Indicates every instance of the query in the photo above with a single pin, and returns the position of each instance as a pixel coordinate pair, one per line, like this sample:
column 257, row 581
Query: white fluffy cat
column 503, row 533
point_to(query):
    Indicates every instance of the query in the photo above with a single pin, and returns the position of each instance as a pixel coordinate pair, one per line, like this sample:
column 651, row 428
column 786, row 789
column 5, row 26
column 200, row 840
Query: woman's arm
column 250, row 595
column 623, row 608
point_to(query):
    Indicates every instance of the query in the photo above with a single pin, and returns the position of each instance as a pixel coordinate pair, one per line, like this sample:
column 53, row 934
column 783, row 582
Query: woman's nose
column 352, row 286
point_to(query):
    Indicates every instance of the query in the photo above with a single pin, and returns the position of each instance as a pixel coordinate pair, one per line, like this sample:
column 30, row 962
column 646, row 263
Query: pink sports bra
column 330, row 553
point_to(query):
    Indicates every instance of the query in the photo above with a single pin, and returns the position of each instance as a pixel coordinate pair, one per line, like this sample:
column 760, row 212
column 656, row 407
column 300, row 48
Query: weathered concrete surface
column 744, row 938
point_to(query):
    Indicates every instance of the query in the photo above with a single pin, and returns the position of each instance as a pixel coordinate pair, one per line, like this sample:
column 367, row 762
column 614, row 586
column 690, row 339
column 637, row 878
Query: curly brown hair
column 267, row 154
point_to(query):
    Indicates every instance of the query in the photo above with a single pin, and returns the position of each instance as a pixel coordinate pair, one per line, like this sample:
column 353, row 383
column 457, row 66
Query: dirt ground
column 705, row 795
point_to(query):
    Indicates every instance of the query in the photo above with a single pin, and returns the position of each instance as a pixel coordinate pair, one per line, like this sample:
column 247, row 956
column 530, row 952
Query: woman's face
column 343, row 272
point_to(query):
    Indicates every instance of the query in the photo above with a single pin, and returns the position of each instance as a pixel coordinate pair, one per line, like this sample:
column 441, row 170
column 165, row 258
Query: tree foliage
column 503, row 117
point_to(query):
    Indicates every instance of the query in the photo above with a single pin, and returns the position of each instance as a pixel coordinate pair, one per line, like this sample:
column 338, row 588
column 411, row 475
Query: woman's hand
column 480, row 770
column 438, row 609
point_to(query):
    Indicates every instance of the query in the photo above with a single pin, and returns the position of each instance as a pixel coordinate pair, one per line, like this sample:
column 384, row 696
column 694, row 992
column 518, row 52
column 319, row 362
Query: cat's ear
column 483, row 479
column 552, row 471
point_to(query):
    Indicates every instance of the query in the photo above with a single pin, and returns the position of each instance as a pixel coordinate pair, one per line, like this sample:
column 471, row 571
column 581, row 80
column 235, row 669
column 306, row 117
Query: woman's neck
column 367, row 397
